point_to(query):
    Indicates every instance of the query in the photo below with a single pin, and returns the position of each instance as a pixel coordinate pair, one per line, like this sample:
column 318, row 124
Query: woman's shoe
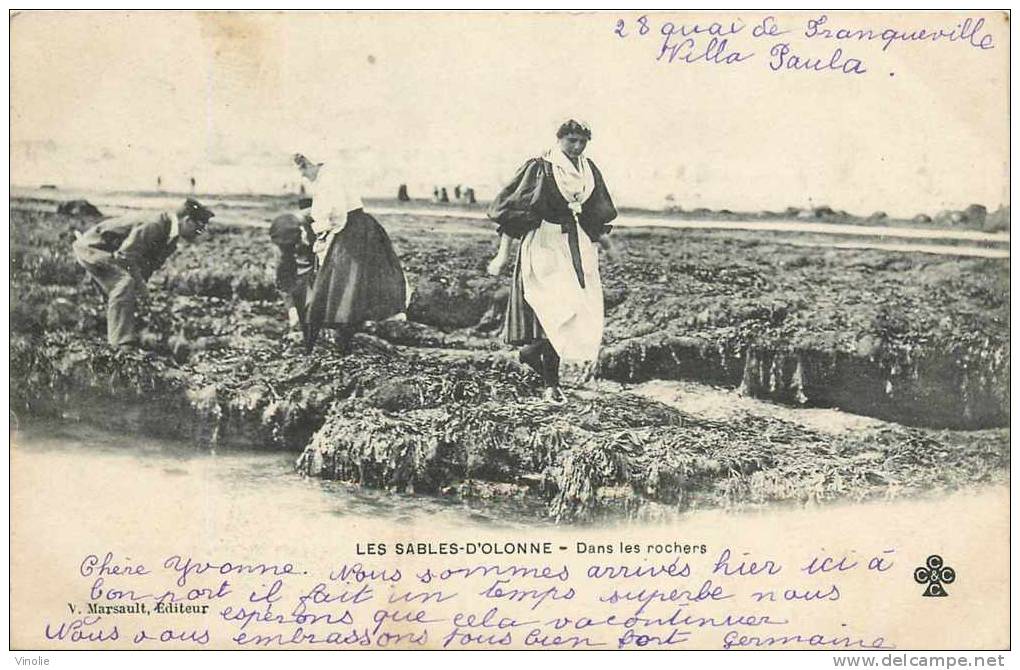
column 532, row 357
column 342, row 341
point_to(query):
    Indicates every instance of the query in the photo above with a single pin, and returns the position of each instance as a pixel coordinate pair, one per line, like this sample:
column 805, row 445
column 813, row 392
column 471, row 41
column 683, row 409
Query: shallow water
column 234, row 483
column 78, row 492
column 721, row 404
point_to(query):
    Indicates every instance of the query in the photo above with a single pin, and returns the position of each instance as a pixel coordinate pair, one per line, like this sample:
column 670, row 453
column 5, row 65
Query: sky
column 114, row 99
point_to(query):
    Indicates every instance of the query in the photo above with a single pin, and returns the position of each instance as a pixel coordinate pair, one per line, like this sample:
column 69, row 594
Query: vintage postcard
column 510, row 330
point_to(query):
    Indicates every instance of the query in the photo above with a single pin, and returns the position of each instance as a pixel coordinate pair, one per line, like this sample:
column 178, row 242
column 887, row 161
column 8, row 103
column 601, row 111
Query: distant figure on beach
column 402, row 193
column 192, row 184
column 358, row 276
column 443, row 196
column 559, row 207
column 120, row 254
column 467, row 196
column 435, row 194
column 295, row 266
column 159, row 183
column 456, row 192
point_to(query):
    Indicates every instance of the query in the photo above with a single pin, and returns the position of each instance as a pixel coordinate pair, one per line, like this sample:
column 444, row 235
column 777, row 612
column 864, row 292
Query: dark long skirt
column 360, row 279
column 520, row 326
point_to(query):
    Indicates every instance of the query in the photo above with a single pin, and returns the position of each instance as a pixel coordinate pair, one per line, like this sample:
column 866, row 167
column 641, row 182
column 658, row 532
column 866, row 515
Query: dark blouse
column 532, row 197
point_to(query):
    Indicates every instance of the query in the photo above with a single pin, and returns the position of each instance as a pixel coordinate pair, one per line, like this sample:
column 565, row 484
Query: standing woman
column 559, row 207
column 359, row 277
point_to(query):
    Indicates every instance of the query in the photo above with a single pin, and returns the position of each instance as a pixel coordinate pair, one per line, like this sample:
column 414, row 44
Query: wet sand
column 258, row 211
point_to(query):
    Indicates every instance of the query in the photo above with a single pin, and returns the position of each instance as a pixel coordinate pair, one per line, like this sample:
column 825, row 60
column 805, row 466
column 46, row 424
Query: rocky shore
column 436, row 405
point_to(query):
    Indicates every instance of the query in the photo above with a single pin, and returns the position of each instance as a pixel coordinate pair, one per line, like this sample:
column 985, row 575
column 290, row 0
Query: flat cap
column 196, row 211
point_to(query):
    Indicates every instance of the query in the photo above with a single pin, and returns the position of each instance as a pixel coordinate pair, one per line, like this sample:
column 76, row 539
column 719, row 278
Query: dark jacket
column 532, row 197
column 295, row 259
column 140, row 242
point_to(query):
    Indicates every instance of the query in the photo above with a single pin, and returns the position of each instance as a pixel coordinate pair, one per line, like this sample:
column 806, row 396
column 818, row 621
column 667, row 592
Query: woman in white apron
column 558, row 206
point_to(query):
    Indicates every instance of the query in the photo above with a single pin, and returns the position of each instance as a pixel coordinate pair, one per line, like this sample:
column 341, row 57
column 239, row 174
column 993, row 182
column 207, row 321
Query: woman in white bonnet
column 358, row 277
column 559, row 207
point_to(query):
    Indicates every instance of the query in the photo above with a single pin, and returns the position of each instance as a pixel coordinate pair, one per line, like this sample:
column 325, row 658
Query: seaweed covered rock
column 455, row 304
column 79, row 208
column 248, row 391
column 67, row 375
column 602, row 456
column 975, row 215
column 437, row 406
column 998, row 220
column 826, row 329
column 435, row 448
column 907, row 337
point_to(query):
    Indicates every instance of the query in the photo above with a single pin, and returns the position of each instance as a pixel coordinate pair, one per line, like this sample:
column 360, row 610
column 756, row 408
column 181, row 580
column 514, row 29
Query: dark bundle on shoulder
column 296, row 258
column 285, row 231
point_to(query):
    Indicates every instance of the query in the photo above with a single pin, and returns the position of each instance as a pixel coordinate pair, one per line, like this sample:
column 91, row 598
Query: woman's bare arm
column 502, row 256
column 611, row 249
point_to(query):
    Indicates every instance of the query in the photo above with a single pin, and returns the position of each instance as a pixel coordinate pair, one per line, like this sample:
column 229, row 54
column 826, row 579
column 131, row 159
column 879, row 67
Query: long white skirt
column 572, row 317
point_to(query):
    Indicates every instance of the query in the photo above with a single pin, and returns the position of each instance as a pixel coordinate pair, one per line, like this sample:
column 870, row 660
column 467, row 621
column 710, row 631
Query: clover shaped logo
column 934, row 573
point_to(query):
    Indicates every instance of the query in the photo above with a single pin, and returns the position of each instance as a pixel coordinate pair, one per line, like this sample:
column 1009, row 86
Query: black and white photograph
column 506, row 330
